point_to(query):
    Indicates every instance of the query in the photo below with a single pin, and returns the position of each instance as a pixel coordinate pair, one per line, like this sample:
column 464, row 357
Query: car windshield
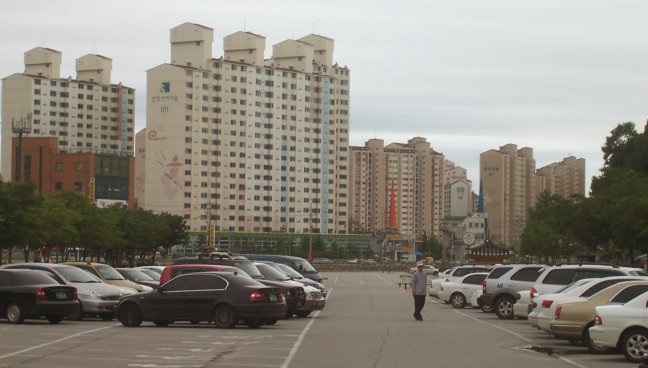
column 270, row 273
column 289, row 271
column 138, row 275
column 152, row 274
column 32, row 278
column 74, row 274
column 109, row 273
column 304, row 266
column 249, row 268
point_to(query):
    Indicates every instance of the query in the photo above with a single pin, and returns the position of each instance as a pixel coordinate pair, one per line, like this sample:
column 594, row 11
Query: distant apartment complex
column 508, row 178
column 415, row 172
column 562, row 178
column 246, row 144
column 458, row 191
column 511, row 186
column 87, row 114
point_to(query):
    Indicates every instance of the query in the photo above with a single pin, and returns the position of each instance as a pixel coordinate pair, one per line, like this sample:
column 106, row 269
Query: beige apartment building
column 415, row 172
column 244, row 143
column 88, row 114
column 562, row 178
column 508, row 180
column 458, row 191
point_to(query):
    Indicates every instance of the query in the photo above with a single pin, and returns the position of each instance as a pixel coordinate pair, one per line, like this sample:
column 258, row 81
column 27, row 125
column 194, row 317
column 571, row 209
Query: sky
column 467, row 75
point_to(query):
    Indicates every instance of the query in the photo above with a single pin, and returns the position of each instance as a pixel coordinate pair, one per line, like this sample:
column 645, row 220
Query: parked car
column 296, row 263
column 501, row 286
column 623, row 326
column 556, row 277
column 296, row 276
column 150, row 273
column 226, row 298
column 180, row 269
column 306, row 302
column 537, row 306
column 452, row 274
column 475, row 303
column 459, row 291
column 110, row 276
column 32, row 294
column 549, row 302
column 427, row 269
column 572, row 320
column 96, row 297
column 157, row 269
column 138, row 277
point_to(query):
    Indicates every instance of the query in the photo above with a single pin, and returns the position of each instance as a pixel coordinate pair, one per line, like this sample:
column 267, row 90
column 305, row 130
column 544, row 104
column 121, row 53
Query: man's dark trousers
column 419, row 302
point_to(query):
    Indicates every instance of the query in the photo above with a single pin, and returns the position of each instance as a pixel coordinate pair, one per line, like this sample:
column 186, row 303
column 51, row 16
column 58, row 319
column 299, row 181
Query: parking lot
column 367, row 322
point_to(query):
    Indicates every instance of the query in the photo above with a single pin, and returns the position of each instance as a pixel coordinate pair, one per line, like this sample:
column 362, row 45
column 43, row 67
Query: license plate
column 61, row 295
column 273, row 298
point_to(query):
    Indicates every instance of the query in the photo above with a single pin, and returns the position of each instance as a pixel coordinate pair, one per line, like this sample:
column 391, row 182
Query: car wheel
column 225, row 317
column 271, row 322
column 161, row 323
column 55, row 318
column 504, row 307
column 458, row 300
column 302, row 314
column 634, row 345
column 594, row 348
column 130, row 315
column 77, row 315
column 15, row 313
column 106, row 316
column 487, row 308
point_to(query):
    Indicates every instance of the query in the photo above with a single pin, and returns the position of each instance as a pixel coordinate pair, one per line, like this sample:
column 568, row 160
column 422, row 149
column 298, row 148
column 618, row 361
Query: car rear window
column 527, row 274
column 594, row 273
column 474, row 279
column 600, row 286
column 558, row 276
column 498, row 272
column 629, row 293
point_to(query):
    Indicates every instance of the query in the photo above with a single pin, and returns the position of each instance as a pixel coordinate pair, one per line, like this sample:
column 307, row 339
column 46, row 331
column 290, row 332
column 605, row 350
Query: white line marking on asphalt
column 303, row 334
column 56, row 341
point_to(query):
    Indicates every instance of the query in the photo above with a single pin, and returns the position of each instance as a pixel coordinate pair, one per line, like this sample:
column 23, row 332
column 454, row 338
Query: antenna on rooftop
column 244, row 24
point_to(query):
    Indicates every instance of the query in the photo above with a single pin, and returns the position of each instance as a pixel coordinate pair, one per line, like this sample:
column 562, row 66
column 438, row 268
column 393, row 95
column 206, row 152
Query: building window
column 78, row 187
column 78, row 166
column 58, row 166
column 58, row 186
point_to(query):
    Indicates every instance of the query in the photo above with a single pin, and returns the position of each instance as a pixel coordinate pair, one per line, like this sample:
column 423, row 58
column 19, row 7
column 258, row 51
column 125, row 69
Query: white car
column 427, row 269
column 521, row 306
column 551, row 301
column 624, row 326
column 536, row 304
column 452, row 274
column 459, row 291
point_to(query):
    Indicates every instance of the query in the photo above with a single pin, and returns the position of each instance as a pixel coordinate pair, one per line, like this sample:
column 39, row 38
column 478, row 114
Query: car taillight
column 533, row 293
column 558, row 311
column 257, row 297
column 547, row 303
column 484, row 286
column 598, row 321
column 40, row 293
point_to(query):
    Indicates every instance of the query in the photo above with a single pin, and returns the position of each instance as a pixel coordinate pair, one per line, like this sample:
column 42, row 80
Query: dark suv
column 501, row 287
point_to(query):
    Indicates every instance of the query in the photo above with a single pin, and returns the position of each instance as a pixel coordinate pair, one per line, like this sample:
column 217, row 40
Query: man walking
column 419, row 290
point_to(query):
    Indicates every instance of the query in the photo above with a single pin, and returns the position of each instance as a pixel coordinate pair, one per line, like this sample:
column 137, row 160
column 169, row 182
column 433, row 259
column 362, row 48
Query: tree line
column 68, row 224
column 611, row 224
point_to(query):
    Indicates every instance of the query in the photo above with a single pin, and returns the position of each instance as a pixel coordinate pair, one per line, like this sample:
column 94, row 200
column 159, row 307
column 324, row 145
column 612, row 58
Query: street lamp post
column 22, row 126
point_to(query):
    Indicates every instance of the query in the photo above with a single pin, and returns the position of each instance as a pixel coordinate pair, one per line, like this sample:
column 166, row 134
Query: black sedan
column 32, row 294
column 226, row 298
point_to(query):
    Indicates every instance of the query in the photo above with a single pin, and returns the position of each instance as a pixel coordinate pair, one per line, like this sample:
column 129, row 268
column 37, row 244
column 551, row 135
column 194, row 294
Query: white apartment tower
column 508, row 179
column 458, row 191
column 414, row 171
column 87, row 114
column 248, row 144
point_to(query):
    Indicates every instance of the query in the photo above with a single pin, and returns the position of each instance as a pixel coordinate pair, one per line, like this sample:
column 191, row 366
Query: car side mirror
column 160, row 290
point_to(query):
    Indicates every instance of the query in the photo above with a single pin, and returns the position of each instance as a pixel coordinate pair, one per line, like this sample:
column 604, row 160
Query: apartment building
column 563, row 178
column 508, row 180
column 247, row 143
column 88, row 114
column 458, row 191
column 415, row 173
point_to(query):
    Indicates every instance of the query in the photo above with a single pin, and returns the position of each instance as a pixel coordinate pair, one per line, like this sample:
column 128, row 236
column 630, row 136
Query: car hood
column 99, row 288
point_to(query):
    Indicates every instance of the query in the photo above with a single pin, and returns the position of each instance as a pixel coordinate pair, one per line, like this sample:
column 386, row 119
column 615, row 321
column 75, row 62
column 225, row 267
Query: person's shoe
column 419, row 319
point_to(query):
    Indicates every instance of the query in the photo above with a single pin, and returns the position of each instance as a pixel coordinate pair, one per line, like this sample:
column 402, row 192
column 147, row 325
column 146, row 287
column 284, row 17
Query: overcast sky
column 554, row 75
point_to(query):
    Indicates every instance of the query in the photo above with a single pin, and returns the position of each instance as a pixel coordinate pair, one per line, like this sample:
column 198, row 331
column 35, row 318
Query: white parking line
column 56, row 341
column 303, row 334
